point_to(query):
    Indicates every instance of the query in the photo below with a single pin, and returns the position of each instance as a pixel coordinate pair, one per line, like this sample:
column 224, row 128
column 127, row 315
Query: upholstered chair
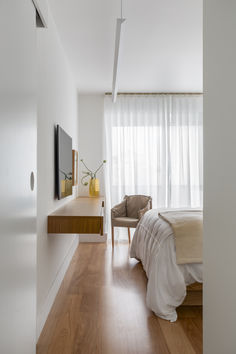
column 129, row 212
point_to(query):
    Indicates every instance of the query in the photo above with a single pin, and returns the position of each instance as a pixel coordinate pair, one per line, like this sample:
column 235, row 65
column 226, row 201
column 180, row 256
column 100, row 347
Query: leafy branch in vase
column 68, row 176
column 90, row 173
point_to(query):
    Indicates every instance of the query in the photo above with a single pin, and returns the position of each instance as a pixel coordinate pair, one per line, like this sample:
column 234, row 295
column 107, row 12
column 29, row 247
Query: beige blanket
column 187, row 228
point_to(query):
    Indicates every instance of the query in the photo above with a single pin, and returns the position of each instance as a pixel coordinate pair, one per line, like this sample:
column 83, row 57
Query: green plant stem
column 86, row 167
column 83, row 179
column 98, row 169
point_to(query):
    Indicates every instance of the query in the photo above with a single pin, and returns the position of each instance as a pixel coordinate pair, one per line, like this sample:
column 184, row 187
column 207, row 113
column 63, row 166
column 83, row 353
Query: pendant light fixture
column 119, row 29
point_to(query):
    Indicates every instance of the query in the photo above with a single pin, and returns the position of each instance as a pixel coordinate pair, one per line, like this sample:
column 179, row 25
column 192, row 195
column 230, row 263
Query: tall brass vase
column 94, row 188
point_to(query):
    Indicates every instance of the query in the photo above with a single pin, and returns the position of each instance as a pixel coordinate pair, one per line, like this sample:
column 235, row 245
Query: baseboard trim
column 92, row 238
column 43, row 315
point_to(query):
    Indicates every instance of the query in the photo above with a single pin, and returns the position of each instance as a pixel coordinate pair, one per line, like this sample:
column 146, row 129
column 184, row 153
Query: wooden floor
column 101, row 308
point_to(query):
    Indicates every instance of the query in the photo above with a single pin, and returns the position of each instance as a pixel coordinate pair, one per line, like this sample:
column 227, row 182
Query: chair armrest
column 145, row 209
column 119, row 210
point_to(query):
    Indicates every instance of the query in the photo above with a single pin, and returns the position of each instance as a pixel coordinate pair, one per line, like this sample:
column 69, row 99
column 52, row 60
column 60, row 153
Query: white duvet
column 153, row 244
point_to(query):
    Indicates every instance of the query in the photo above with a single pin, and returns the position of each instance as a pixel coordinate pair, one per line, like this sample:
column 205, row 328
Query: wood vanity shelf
column 82, row 215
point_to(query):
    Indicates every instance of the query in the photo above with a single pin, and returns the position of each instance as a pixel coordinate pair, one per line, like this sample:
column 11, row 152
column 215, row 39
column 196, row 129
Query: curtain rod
column 156, row 93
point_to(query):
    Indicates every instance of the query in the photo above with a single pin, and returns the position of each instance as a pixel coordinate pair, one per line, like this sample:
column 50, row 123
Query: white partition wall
column 56, row 104
column 17, row 166
column 219, row 177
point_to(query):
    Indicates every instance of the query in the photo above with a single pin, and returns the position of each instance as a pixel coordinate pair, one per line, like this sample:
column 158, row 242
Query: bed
column 154, row 245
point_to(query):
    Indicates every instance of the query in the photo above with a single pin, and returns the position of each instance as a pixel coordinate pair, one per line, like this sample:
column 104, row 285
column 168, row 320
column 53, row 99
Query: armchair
column 129, row 212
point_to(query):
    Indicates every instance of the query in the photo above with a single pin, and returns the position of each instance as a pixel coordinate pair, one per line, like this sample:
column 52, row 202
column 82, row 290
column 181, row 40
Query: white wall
column 91, row 108
column 220, row 177
column 57, row 104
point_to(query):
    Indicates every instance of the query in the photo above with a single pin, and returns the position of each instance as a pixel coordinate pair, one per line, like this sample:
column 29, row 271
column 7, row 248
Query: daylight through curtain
column 153, row 146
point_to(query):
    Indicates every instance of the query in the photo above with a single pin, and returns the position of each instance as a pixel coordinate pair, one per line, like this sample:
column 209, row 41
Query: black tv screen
column 63, row 163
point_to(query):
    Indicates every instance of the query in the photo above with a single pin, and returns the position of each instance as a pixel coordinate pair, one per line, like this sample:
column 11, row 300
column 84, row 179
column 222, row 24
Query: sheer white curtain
column 153, row 146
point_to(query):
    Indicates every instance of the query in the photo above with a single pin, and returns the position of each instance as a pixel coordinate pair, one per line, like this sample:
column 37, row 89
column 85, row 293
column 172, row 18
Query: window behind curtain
column 153, row 146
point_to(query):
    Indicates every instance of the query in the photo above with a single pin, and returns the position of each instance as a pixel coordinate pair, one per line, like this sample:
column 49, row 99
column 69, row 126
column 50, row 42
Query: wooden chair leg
column 112, row 232
column 129, row 233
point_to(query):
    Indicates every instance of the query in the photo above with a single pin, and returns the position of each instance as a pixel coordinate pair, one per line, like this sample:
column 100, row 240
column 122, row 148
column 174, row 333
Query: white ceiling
column 161, row 47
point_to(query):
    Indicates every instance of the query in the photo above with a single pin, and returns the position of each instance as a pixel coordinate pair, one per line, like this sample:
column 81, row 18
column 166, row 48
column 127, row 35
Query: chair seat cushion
column 125, row 222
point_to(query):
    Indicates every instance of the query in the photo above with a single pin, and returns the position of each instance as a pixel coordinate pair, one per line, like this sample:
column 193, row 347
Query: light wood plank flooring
column 100, row 309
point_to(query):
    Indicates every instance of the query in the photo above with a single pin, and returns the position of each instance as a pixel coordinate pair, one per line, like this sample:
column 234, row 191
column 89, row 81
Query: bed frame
column 194, row 295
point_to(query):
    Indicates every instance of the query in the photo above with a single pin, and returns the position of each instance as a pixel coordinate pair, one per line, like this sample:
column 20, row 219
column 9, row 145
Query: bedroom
column 128, row 95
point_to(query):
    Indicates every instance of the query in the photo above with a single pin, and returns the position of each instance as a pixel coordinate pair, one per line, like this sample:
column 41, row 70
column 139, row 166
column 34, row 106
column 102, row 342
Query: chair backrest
column 134, row 203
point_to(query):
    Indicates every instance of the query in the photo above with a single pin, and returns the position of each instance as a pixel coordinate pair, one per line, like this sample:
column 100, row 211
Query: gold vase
column 94, row 187
column 66, row 187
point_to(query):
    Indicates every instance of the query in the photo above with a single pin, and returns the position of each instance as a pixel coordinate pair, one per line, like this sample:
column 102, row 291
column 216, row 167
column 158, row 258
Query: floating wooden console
column 83, row 215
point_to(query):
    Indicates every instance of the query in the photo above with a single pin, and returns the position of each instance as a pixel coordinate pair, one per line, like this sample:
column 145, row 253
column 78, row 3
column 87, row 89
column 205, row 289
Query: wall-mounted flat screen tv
column 63, row 163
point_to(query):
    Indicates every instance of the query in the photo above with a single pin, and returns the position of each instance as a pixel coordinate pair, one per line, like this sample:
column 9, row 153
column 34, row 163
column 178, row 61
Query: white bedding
column 153, row 244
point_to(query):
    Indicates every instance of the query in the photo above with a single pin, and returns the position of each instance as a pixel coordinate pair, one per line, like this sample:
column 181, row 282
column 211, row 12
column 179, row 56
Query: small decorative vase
column 94, row 187
column 66, row 187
